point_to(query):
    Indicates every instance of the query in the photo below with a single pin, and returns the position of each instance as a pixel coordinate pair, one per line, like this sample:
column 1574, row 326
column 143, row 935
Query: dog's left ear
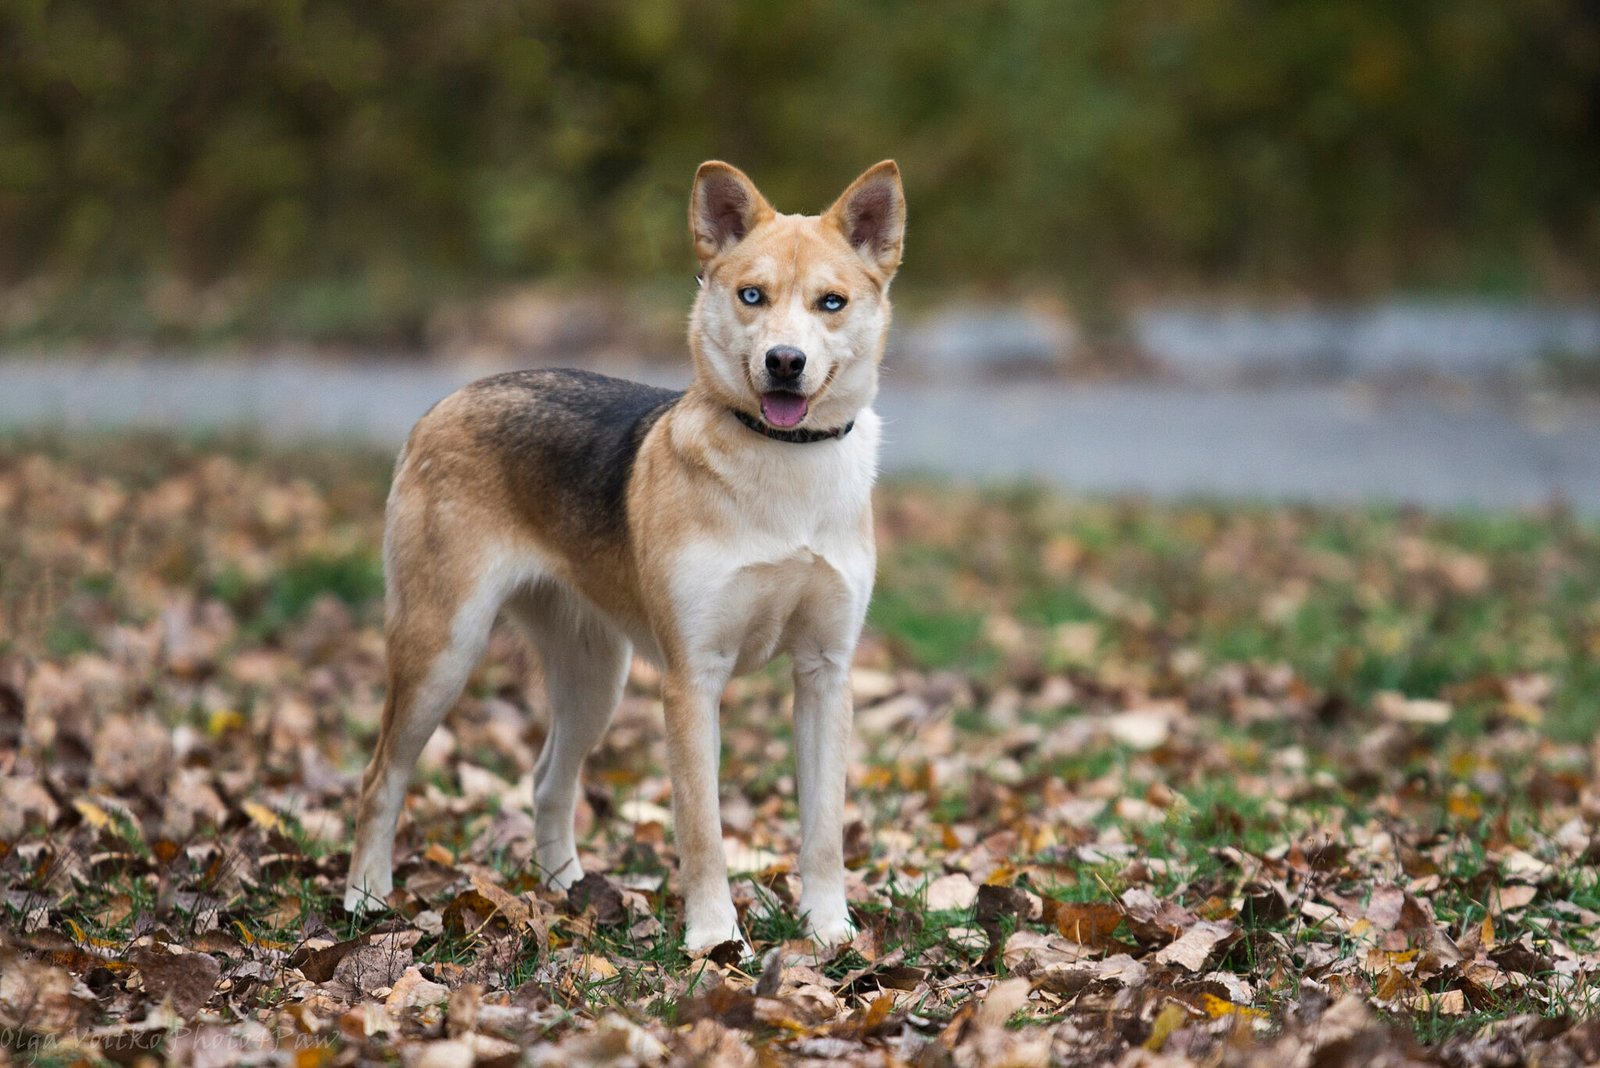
column 872, row 216
column 724, row 206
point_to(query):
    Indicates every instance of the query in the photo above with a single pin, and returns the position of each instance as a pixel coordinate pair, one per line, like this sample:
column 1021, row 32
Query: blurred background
column 1326, row 249
column 1239, row 550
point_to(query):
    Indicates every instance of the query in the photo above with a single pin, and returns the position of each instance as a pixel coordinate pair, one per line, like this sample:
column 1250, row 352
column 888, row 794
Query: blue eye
column 751, row 295
column 833, row 302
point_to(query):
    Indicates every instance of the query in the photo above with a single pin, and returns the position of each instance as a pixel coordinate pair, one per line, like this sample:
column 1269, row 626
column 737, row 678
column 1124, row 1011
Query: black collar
column 794, row 437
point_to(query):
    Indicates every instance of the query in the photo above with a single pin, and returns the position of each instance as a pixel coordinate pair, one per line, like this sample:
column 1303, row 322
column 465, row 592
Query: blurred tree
column 337, row 164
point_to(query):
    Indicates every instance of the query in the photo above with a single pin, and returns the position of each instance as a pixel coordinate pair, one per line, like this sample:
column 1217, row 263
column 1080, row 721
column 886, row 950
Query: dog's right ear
column 724, row 207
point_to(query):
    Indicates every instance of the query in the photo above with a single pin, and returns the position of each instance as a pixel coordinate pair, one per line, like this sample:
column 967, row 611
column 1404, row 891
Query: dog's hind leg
column 585, row 661
column 436, row 635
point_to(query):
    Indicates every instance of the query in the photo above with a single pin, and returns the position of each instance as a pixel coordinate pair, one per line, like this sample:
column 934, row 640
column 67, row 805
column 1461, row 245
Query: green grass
column 355, row 578
column 925, row 633
column 1477, row 597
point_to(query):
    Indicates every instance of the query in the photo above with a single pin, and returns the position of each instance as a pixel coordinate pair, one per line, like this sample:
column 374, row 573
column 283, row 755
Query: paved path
column 1314, row 443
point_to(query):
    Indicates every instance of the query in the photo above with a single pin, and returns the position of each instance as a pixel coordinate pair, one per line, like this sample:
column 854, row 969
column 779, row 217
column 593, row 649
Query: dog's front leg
column 691, row 699
column 822, row 714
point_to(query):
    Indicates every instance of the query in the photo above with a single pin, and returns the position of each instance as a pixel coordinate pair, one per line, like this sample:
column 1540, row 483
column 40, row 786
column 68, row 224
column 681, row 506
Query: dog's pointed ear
column 872, row 216
column 724, row 206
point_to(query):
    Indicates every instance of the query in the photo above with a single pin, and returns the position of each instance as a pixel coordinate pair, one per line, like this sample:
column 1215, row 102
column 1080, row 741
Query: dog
column 709, row 531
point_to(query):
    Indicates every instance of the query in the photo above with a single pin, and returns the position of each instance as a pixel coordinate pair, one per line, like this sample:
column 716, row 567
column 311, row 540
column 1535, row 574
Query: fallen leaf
column 93, row 814
column 1196, row 945
column 366, row 970
column 599, row 893
column 187, row 979
column 263, row 817
column 635, row 810
column 1216, row 1008
column 744, row 859
column 1143, row 729
column 446, row 1053
column 1089, row 923
column 412, row 990
column 1004, row 1000
column 1503, row 899
column 513, row 909
column 1028, row 951
column 318, row 965
column 1445, row 1003
column 39, row 997
column 1173, row 1017
column 956, row 891
column 1401, row 709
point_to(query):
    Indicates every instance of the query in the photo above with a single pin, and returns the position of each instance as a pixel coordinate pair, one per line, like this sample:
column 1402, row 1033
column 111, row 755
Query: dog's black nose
column 785, row 361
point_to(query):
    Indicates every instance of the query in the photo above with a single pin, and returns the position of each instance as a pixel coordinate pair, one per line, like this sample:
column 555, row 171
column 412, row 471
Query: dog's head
column 793, row 310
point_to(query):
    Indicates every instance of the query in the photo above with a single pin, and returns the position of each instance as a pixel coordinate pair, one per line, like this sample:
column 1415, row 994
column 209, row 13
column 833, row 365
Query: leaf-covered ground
column 1132, row 784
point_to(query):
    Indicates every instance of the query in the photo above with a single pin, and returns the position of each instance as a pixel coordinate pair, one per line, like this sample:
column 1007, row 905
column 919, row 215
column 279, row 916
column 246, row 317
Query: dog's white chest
column 805, row 600
column 794, row 571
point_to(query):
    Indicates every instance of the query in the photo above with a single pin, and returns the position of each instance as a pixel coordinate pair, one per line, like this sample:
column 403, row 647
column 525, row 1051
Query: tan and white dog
column 709, row 530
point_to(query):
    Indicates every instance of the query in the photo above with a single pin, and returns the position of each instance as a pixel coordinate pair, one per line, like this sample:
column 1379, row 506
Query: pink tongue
column 783, row 409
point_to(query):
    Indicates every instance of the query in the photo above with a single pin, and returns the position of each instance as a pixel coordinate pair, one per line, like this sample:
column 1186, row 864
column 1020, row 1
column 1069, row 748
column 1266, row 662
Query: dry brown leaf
column 594, row 966
column 412, row 990
column 1445, row 1003
column 1089, row 923
column 1141, row 728
column 1003, row 1001
column 1502, row 899
column 367, row 971
column 1401, row 709
column 599, row 893
column 446, row 1053
column 869, row 1020
column 1194, row 948
column 515, row 911
column 955, row 891
column 38, row 996
column 1028, row 951
column 187, row 979
column 318, row 964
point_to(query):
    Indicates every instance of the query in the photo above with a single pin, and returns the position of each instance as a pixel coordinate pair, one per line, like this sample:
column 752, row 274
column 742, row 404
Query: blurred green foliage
column 342, row 164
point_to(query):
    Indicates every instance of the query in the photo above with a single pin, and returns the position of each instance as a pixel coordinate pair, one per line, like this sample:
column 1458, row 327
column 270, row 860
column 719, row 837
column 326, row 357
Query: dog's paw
column 700, row 940
column 834, row 933
column 563, row 875
column 731, row 952
column 357, row 899
column 829, row 925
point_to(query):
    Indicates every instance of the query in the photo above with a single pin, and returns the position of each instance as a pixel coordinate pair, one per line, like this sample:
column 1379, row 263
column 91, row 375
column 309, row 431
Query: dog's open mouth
column 783, row 410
